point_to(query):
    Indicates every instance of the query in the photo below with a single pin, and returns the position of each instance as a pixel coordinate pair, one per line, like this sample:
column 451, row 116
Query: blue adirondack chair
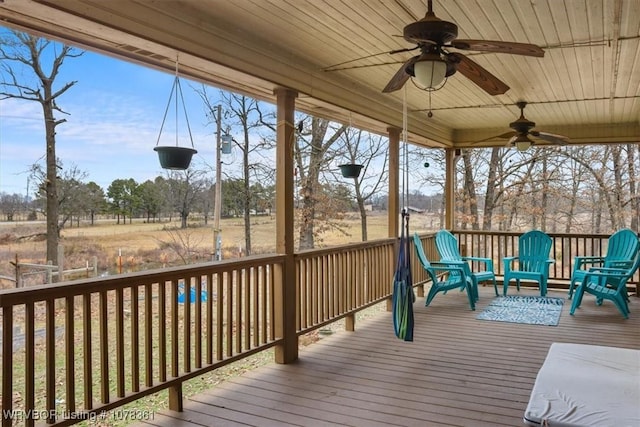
column 532, row 259
column 447, row 246
column 607, row 283
column 621, row 249
column 443, row 276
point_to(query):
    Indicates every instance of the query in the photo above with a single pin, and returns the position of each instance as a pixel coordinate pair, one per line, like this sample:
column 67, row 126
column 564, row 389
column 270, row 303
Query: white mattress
column 586, row 385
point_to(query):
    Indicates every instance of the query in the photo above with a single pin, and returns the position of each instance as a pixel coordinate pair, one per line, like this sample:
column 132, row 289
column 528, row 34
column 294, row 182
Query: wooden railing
column 566, row 247
column 75, row 350
column 72, row 351
column 337, row 282
column 111, row 341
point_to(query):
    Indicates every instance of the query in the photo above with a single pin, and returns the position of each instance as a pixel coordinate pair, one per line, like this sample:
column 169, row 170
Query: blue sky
column 115, row 114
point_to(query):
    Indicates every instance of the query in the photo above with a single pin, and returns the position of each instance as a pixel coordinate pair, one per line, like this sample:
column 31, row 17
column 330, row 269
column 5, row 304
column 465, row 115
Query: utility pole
column 217, row 238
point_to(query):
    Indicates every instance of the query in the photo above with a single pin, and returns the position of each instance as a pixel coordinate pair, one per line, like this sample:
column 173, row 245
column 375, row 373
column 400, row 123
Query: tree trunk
column 51, row 187
column 247, row 195
column 363, row 219
column 545, row 194
column 308, row 215
column 470, row 190
column 489, row 199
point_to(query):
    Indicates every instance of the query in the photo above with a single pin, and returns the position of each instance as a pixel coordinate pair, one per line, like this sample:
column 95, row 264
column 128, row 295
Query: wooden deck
column 458, row 371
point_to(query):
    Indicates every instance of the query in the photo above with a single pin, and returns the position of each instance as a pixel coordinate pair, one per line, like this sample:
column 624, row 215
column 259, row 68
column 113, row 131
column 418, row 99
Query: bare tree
column 490, row 195
column 366, row 149
column 185, row 243
column 246, row 118
column 470, row 197
column 20, row 52
column 186, row 187
column 313, row 153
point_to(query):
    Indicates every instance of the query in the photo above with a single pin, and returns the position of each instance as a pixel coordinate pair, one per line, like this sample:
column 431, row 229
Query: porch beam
column 285, row 279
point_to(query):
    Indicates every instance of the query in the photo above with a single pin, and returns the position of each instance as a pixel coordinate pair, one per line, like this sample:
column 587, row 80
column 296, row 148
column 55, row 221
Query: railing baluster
column 316, row 290
column 263, row 298
column 229, row 299
column 7, row 364
column 272, row 301
column 50, row 355
column 198, row 323
column 148, row 334
column 302, row 318
column 29, row 369
column 175, row 391
column 104, row 348
column 244, row 279
column 69, row 340
column 238, row 320
column 87, row 348
column 120, row 342
column 135, row 339
column 174, row 324
column 220, row 299
column 255, row 285
column 186, row 323
column 162, row 334
column 210, row 318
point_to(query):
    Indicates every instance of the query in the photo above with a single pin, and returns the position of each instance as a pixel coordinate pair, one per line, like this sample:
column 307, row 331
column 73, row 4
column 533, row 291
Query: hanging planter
column 350, row 170
column 175, row 157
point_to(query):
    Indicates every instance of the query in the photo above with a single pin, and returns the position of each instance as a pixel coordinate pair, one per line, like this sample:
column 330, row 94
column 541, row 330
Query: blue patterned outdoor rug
column 531, row 310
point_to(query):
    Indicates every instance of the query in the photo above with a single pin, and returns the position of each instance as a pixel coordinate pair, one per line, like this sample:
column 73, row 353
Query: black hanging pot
column 350, row 170
column 175, row 158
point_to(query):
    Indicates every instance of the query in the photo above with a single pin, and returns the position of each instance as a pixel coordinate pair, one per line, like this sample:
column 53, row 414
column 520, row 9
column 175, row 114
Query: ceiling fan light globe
column 522, row 145
column 430, row 73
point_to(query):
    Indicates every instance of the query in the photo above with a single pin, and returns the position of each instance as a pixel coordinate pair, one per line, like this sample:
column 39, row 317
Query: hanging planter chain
column 176, row 158
column 178, row 89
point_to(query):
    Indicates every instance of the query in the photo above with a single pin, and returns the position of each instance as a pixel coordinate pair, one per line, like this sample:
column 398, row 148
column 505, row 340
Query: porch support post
column 394, row 188
column 285, row 278
column 449, row 188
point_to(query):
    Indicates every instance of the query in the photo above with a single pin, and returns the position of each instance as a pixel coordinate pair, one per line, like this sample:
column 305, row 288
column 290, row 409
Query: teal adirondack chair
column 443, row 276
column 607, row 283
column 532, row 259
column 447, row 246
column 621, row 249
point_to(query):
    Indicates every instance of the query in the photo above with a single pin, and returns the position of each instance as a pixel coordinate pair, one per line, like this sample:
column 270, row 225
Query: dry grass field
column 142, row 246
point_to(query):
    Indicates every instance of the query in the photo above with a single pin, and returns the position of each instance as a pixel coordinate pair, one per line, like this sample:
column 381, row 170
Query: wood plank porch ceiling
column 586, row 87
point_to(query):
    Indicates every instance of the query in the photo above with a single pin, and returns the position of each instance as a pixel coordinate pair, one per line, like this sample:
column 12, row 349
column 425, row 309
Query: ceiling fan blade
column 474, row 72
column 507, row 135
column 550, row 137
column 346, row 64
column 400, row 77
column 498, row 47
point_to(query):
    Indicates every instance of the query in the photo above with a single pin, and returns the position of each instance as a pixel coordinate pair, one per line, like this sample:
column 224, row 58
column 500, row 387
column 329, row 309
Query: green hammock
column 403, row 296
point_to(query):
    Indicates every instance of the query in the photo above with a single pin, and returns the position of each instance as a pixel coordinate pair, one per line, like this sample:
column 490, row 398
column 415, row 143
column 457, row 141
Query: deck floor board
column 458, row 371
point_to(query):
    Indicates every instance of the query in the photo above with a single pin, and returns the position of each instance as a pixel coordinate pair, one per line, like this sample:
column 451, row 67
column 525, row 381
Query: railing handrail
column 83, row 286
column 518, row 233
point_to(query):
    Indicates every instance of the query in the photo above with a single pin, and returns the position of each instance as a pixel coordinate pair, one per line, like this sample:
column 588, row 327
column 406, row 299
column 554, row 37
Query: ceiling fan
column 434, row 37
column 522, row 129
